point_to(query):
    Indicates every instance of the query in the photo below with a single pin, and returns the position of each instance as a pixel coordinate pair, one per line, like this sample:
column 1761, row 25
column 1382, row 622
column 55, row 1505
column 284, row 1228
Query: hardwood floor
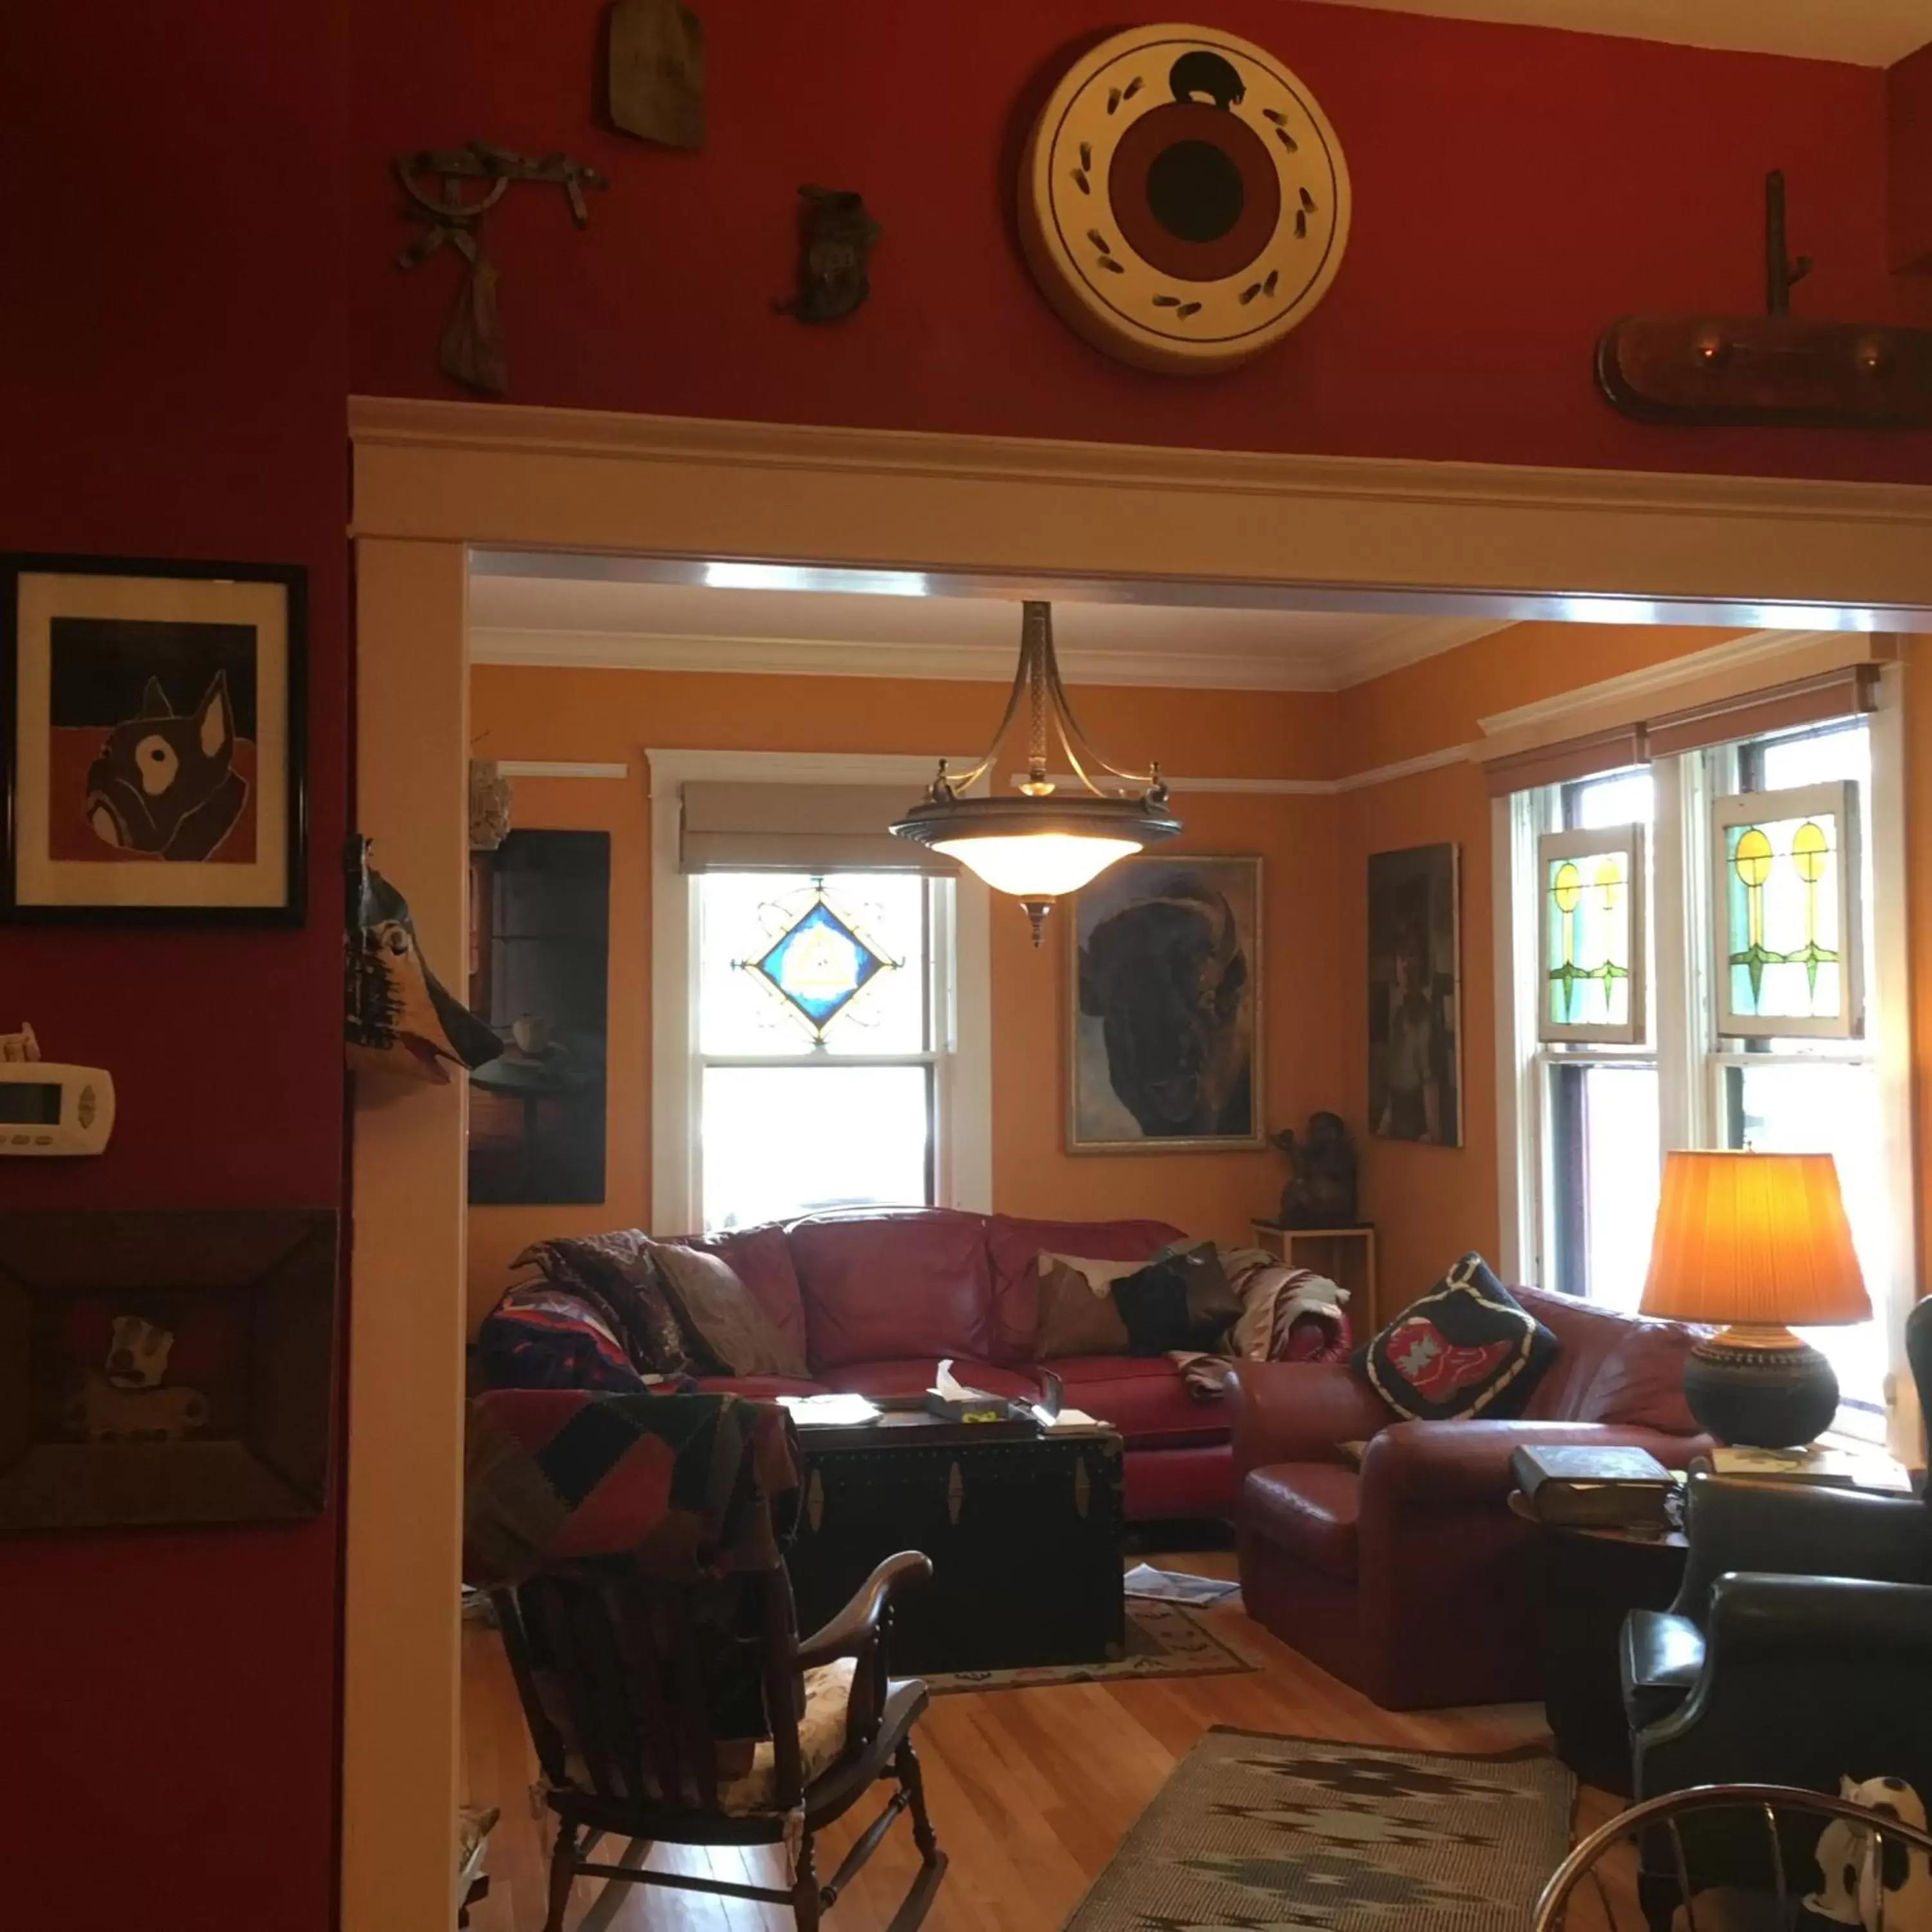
column 1030, row 1790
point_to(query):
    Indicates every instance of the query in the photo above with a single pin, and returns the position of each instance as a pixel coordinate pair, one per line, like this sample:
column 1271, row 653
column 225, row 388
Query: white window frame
column 1690, row 1065
column 962, row 1056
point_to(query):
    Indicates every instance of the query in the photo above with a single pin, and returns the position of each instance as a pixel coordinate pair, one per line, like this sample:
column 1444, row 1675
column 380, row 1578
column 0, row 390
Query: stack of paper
column 830, row 1411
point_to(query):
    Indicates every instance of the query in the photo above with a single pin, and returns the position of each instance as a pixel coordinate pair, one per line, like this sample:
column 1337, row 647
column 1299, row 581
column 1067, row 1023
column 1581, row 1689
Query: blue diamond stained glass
column 819, row 965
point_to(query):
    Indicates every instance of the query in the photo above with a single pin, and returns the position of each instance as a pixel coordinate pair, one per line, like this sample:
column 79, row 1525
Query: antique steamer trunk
column 1024, row 1532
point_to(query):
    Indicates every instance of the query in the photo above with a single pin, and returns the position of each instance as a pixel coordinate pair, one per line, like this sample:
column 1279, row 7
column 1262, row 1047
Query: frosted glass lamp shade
column 1040, row 865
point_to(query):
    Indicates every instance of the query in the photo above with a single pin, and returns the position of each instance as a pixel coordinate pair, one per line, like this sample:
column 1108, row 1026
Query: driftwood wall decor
column 836, row 238
column 654, row 72
column 1776, row 368
column 438, row 183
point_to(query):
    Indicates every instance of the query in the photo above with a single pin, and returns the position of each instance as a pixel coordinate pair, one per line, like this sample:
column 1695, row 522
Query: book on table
column 1578, row 1487
column 1836, row 1469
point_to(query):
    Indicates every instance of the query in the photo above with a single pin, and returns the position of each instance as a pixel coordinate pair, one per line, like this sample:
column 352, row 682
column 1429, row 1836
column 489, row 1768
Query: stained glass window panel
column 1785, row 882
column 782, row 964
column 1588, row 899
column 1592, row 887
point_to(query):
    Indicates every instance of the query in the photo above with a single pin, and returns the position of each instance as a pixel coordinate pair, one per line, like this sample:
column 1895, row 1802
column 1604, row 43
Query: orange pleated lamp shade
column 1755, row 1238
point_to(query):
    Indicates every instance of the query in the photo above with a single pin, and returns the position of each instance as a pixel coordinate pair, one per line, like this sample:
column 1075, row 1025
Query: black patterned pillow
column 1468, row 1348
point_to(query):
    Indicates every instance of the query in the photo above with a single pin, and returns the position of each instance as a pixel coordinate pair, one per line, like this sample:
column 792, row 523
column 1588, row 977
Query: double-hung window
column 1699, row 960
column 819, row 995
column 822, row 1004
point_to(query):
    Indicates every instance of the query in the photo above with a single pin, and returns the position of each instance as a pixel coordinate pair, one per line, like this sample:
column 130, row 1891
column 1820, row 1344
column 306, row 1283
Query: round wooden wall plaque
column 1183, row 201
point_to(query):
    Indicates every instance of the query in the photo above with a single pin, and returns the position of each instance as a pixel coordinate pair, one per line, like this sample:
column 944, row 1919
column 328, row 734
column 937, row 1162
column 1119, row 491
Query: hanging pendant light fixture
column 1045, row 842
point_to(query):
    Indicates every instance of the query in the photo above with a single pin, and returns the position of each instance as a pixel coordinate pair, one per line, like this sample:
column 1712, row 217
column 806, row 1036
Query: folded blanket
column 1288, row 1315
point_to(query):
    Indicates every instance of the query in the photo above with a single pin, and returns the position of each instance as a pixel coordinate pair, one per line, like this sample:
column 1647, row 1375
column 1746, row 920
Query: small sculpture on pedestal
column 1322, row 1192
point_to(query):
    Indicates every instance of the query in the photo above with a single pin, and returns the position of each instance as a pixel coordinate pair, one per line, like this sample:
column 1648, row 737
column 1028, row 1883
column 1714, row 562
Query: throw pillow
column 1468, row 1348
column 1180, row 1299
column 1077, row 1315
column 615, row 1274
column 719, row 1317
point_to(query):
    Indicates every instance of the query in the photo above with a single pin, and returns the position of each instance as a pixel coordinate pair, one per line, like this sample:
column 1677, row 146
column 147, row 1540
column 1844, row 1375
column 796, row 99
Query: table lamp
column 1752, row 1243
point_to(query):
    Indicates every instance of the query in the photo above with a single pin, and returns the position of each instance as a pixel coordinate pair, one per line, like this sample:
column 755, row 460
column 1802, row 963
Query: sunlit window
column 818, row 1013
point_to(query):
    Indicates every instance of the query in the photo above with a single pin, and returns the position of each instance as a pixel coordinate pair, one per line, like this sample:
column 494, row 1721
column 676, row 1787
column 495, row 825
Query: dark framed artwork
column 153, row 750
column 539, row 970
column 165, row 1368
column 1166, row 1001
column 1415, row 1005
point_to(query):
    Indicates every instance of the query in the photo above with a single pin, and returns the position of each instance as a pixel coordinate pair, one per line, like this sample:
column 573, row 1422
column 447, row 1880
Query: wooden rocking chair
column 622, row 1694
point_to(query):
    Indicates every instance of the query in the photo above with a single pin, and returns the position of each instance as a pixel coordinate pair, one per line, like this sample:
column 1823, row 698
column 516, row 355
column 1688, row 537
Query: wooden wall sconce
column 1773, row 368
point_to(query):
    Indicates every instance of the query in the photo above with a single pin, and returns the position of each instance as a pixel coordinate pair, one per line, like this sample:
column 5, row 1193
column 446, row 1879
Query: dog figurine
column 165, row 783
column 1856, row 1871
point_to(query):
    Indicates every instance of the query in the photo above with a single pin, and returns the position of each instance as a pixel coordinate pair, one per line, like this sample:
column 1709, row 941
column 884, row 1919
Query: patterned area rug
column 1163, row 1640
column 1259, row 1834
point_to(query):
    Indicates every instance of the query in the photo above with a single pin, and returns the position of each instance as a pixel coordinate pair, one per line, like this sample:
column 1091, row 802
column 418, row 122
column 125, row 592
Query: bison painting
column 1168, row 991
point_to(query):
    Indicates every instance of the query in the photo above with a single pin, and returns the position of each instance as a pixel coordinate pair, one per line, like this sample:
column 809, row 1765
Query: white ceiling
column 654, row 626
column 1869, row 33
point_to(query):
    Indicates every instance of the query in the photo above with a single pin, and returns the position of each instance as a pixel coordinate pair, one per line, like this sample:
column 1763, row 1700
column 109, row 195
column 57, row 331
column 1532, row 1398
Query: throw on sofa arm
column 1298, row 1412
column 1469, row 1461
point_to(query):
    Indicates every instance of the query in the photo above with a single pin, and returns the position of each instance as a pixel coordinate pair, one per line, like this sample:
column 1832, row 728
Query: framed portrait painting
column 153, row 750
column 1415, row 1065
column 1166, row 1007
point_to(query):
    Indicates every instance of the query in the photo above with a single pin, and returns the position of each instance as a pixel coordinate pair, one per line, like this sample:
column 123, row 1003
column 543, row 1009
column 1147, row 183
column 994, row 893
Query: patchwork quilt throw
column 687, row 1487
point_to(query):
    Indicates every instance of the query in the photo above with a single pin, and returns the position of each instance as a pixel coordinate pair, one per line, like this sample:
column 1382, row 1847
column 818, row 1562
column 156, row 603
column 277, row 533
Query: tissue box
column 975, row 1405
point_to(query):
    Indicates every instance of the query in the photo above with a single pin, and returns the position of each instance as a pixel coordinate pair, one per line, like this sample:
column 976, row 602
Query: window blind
column 748, row 827
column 1847, row 691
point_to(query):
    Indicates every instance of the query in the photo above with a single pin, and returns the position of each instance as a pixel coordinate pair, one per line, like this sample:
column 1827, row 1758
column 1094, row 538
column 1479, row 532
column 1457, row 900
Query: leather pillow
column 1468, row 1348
column 720, row 1318
column 1077, row 1314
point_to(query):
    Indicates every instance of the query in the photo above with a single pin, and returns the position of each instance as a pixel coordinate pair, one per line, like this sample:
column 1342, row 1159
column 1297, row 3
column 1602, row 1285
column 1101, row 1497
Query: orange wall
column 1309, row 962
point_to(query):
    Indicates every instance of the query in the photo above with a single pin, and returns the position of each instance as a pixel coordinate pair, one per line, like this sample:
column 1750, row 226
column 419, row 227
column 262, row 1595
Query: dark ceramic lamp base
column 1760, row 1389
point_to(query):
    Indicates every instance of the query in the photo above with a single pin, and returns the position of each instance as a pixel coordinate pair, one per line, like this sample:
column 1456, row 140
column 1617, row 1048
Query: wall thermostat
column 46, row 1108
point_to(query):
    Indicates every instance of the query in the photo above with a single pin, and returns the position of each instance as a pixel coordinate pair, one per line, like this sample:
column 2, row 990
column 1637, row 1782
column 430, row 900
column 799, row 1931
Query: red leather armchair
column 1410, row 1578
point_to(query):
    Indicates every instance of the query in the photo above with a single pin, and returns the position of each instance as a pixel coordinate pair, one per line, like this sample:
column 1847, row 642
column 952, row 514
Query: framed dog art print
column 153, row 753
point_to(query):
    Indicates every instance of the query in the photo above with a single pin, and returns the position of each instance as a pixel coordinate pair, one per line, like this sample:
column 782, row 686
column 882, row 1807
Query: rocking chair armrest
column 856, row 1626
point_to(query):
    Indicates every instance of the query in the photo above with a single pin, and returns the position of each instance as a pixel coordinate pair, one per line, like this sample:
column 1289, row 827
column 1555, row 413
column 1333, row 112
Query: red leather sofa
column 1411, row 1579
column 876, row 1298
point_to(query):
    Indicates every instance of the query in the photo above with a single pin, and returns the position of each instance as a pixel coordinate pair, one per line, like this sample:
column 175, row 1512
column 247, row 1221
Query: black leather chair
column 1798, row 1650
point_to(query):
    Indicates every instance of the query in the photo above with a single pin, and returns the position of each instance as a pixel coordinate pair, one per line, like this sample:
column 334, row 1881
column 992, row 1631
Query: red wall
column 172, row 376
column 1516, row 190
column 196, row 267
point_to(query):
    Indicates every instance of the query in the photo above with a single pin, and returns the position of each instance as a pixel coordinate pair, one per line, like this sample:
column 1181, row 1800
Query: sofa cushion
column 761, row 1259
column 1144, row 1397
column 726, row 1328
column 1467, row 1348
column 1308, row 1509
column 1013, row 1249
column 1641, row 1382
column 886, row 1287
column 1078, row 1315
column 914, row 1375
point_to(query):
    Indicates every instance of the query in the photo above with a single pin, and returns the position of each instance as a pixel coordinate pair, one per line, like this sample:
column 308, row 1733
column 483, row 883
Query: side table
column 1592, row 1579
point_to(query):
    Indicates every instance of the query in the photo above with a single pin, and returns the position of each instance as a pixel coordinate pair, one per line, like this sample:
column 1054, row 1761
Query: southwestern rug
column 1254, row 1833
column 1164, row 1640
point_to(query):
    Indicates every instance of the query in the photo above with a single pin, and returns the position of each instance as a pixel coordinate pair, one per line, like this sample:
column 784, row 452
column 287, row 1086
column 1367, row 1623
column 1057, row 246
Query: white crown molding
column 1774, row 656
column 1407, row 641
column 670, row 767
column 1252, row 787
column 557, row 768
column 1404, row 768
column 971, row 664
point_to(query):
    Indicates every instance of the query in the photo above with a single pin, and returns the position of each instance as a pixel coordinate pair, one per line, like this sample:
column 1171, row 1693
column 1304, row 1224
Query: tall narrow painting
column 1415, row 1082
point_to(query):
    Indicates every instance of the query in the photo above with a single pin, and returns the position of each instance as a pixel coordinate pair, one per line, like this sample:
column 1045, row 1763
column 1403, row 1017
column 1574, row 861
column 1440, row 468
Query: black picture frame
column 232, row 1422
column 290, row 909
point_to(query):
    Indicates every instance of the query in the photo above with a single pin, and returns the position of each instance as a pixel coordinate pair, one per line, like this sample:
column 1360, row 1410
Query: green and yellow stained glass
column 1784, row 864
column 1592, row 885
